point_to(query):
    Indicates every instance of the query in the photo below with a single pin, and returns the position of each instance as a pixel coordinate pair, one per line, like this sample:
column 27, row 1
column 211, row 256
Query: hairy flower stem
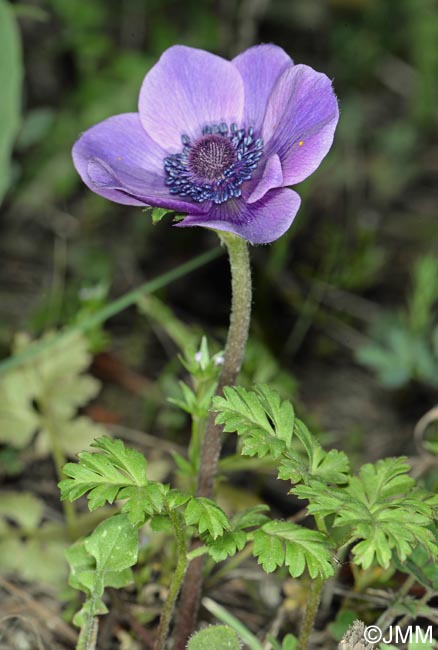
column 233, row 355
column 176, row 582
column 211, row 447
column 310, row 614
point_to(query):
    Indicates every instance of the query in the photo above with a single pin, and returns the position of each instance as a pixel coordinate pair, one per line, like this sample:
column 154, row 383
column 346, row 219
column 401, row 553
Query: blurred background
column 345, row 304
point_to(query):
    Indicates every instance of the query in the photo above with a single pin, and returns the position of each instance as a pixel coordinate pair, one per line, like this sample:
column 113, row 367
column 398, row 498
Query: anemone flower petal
column 139, row 184
column 300, row 121
column 258, row 223
column 118, row 160
column 272, row 177
column 186, row 90
column 260, row 67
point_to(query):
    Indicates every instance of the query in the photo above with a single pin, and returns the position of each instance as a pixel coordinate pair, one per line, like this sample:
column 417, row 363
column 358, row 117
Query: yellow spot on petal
column 119, row 158
column 301, row 142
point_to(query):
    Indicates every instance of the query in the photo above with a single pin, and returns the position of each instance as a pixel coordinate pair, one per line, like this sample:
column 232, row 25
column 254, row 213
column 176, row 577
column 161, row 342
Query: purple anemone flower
column 216, row 140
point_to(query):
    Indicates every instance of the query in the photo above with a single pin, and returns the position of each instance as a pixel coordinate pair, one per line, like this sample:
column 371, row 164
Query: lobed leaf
column 118, row 472
column 265, row 422
column 280, row 543
column 102, row 560
column 207, row 516
column 268, row 426
column 381, row 510
column 226, row 545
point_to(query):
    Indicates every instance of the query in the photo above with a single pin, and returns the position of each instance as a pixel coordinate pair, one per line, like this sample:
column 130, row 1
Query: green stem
column 310, row 614
column 88, row 636
column 233, row 355
column 197, row 551
column 211, row 447
column 59, row 461
column 177, row 579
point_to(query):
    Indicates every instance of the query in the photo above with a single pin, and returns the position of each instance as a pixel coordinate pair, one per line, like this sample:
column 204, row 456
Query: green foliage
column 11, row 73
column 269, row 426
column 43, row 394
column 102, row 560
column 204, row 369
column 215, row 637
column 196, row 395
column 192, row 402
column 235, row 539
column 24, row 508
column 381, row 507
column 405, row 346
column 88, row 301
column 117, row 472
column 330, row 467
column 280, row 543
column 109, row 53
column 380, row 511
column 207, row 516
column 28, row 547
column 260, row 417
column 226, row 545
column 419, row 566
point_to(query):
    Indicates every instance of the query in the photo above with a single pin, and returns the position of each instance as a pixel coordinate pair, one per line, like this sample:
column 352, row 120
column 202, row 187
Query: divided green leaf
column 265, row 422
column 418, row 564
column 235, row 539
column 280, row 543
column 227, row 545
column 207, row 516
column 118, row 472
column 381, row 508
column 268, row 426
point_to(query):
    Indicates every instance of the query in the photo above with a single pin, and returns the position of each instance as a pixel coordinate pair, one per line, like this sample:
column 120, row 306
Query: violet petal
column 300, row 121
column 260, row 67
column 258, row 223
column 186, row 90
column 117, row 159
column 272, row 177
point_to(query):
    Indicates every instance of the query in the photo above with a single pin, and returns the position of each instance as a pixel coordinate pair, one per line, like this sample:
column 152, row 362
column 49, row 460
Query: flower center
column 214, row 166
column 211, row 156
